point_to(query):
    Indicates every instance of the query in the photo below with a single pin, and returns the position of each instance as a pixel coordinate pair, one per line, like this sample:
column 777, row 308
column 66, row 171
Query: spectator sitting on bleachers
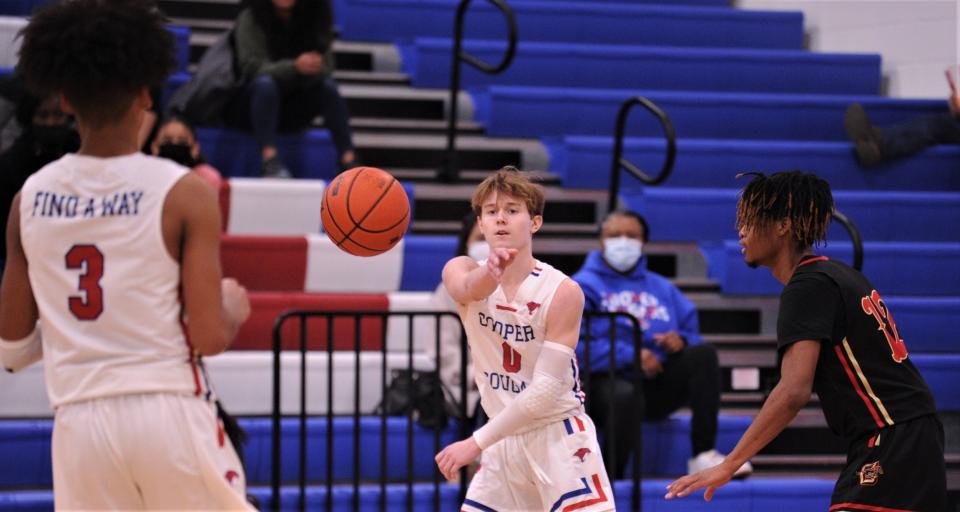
column 47, row 135
column 875, row 145
column 678, row 368
column 177, row 141
column 283, row 51
column 470, row 242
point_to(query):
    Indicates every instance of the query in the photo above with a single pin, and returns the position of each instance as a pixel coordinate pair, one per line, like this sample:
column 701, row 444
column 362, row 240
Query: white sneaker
column 711, row 458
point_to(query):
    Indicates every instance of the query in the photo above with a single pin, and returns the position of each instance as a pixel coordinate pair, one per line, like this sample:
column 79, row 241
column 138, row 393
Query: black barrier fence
column 306, row 329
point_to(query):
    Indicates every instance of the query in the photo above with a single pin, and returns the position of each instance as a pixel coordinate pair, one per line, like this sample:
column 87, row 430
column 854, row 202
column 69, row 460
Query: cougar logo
column 532, row 306
column 231, row 476
column 581, row 453
column 870, row 473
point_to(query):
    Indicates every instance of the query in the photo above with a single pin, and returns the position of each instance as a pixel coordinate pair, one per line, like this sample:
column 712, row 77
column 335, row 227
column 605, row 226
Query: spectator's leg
column 624, row 427
column 919, row 133
column 323, row 98
column 692, row 378
column 264, row 109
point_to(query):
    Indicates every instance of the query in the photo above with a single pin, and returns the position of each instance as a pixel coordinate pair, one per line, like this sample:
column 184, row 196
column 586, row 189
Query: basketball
column 365, row 211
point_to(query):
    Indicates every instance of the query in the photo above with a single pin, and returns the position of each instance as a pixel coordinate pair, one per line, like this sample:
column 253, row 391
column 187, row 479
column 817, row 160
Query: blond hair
column 510, row 181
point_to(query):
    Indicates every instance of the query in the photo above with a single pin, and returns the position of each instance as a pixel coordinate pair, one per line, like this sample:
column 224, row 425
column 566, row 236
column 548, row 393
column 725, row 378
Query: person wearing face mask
column 470, row 242
column 678, row 368
column 49, row 133
column 175, row 140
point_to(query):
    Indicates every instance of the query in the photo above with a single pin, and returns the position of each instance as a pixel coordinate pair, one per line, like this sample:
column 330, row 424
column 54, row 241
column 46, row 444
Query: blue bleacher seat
column 940, row 371
column 423, row 258
column 706, row 214
column 427, row 60
column 620, row 23
column 737, row 496
column 584, row 162
column 553, row 111
column 235, row 153
column 927, row 324
column 932, row 268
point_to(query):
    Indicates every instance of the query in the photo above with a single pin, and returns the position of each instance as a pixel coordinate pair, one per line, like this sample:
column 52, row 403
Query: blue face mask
column 622, row 253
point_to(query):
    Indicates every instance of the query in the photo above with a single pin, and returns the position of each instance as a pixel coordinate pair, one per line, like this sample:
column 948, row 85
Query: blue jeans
column 266, row 110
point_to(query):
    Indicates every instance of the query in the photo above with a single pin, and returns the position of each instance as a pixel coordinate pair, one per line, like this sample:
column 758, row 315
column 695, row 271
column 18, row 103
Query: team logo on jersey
column 581, row 453
column 231, row 475
column 532, row 306
column 870, row 473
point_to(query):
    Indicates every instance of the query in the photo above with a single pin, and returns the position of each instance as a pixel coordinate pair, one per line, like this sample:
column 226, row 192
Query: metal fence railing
column 316, row 333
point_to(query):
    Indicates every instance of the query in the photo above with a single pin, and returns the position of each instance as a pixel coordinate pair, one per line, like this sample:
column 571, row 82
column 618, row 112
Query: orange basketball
column 365, row 211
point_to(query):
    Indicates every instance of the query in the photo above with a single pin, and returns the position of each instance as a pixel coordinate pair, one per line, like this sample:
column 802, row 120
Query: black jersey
column 864, row 378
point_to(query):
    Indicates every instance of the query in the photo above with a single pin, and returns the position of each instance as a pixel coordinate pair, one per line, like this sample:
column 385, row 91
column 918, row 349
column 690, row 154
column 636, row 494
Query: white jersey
column 505, row 340
column 106, row 287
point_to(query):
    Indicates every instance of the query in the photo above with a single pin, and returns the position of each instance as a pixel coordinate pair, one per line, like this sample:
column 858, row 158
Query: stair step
column 426, row 151
column 381, row 101
column 201, row 10
column 350, row 76
column 413, row 125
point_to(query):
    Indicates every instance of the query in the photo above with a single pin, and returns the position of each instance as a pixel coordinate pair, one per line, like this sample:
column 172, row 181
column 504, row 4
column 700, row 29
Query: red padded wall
column 256, row 333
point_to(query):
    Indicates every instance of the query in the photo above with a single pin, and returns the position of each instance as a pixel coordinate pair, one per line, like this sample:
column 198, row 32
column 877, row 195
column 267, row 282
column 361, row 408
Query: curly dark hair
column 310, row 28
column 98, row 53
column 803, row 198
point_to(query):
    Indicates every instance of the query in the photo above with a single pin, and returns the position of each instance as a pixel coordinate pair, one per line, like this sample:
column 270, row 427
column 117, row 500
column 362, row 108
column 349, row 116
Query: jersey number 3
column 874, row 306
column 89, row 304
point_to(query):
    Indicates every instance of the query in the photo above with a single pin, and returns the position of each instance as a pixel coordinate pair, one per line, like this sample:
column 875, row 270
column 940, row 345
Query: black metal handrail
column 620, row 162
column 854, row 237
column 636, row 502
column 450, row 171
column 301, row 318
column 276, row 430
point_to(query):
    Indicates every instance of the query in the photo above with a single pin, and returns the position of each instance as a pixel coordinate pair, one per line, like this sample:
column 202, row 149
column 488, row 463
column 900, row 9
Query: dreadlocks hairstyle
column 97, row 53
column 801, row 197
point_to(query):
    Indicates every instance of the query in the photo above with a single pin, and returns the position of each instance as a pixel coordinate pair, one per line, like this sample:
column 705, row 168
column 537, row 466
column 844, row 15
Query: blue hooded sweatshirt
column 652, row 299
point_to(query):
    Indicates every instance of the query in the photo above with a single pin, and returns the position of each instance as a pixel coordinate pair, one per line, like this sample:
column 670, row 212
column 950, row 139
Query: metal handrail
column 620, row 162
column 300, row 318
column 854, row 237
column 450, row 170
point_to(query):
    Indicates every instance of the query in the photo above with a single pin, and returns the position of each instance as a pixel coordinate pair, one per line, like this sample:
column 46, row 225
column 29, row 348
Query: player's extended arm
column 786, row 399
column 215, row 310
column 466, row 281
column 539, row 399
column 20, row 344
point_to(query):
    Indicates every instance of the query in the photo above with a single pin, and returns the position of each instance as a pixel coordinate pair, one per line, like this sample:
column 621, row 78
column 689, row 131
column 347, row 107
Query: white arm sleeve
column 538, row 400
column 19, row 354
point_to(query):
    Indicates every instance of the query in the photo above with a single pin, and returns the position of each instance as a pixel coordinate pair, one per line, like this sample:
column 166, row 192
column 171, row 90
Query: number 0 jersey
column 505, row 340
column 106, row 287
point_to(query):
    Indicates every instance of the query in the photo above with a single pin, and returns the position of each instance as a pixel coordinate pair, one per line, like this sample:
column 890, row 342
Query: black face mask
column 52, row 142
column 179, row 153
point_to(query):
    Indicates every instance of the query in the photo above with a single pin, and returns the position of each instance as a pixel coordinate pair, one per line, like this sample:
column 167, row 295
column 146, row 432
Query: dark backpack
column 420, row 392
column 203, row 99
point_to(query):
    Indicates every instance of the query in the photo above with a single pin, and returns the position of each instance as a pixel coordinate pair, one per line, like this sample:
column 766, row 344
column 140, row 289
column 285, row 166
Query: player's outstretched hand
column 456, row 456
column 236, row 304
column 499, row 260
column 711, row 478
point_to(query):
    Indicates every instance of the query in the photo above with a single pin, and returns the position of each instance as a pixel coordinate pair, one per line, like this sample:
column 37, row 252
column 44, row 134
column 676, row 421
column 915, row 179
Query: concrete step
column 426, row 151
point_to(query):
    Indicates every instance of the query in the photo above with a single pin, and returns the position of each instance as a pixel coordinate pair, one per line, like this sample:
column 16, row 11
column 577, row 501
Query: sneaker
column 273, row 167
column 711, row 458
column 865, row 137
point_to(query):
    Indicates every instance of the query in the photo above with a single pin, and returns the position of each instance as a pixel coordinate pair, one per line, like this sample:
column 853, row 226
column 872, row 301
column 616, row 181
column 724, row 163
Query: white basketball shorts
column 557, row 468
column 144, row 451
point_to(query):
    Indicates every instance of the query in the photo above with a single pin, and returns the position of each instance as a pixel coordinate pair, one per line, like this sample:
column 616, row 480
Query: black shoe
column 865, row 137
column 273, row 167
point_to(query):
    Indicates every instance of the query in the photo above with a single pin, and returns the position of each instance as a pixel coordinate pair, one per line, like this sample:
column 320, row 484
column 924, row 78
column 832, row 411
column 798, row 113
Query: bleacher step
column 427, row 150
